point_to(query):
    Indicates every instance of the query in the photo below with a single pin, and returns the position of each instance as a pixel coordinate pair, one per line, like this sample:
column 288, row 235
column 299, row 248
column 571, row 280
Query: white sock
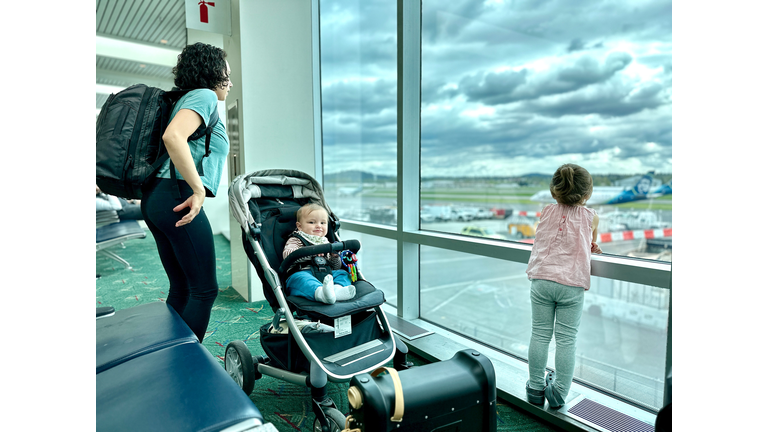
column 326, row 293
column 344, row 293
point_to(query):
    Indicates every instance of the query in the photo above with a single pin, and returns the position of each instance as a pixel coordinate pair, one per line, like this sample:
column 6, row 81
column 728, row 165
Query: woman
column 178, row 222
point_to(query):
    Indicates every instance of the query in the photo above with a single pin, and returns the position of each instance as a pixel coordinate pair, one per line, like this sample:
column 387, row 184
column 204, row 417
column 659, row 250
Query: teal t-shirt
column 203, row 102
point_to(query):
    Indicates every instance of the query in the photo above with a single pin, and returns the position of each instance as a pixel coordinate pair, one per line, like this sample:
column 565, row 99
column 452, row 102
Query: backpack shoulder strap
column 207, row 131
column 173, row 97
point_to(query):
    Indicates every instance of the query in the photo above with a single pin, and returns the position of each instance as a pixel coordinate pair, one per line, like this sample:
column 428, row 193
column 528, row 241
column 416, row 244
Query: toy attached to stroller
column 307, row 342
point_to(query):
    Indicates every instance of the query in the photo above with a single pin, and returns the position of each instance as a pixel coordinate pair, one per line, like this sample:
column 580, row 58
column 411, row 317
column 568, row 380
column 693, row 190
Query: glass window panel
column 377, row 259
column 512, row 90
column 621, row 344
column 358, row 58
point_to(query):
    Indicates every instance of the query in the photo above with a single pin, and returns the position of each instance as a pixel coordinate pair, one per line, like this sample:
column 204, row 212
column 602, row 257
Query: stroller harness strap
column 319, row 266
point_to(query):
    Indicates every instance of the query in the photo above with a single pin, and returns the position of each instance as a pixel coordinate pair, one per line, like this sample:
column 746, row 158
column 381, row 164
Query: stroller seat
column 366, row 297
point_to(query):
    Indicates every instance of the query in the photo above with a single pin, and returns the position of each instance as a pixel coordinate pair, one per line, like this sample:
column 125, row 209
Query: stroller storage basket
column 284, row 351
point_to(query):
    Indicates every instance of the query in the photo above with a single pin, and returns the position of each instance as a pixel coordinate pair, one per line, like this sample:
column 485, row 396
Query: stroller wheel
column 238, row 363
column 335, row 418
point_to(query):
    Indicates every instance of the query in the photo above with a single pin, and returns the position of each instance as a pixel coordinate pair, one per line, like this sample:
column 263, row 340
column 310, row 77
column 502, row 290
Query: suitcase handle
column 346, row 425
column 399, row 408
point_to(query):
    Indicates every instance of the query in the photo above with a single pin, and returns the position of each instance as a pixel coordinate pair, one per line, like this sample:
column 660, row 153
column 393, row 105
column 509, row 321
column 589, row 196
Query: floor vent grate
column 607, row 419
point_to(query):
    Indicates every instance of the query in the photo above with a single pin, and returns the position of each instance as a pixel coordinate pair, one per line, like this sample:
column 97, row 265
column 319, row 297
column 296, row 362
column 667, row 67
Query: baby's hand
column 596, row 248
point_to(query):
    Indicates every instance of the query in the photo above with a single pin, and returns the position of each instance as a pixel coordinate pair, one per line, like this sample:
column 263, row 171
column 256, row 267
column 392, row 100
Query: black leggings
column 187, row 253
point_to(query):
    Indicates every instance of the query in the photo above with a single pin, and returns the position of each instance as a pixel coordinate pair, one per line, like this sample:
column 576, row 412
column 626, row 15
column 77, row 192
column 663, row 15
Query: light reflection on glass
column 358, row 56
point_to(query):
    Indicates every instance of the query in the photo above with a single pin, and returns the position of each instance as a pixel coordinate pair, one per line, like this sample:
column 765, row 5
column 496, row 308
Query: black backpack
column 129, row 144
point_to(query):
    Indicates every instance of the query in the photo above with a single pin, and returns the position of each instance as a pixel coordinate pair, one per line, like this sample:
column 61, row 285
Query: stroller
column 307, row 342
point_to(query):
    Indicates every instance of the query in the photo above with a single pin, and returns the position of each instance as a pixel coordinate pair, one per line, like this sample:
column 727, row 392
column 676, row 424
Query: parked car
column 383, row 215
column 439, row 212
column 522, row 226
column 477, row 212
column 463, row 214
column 485, row 214
column 480, row 232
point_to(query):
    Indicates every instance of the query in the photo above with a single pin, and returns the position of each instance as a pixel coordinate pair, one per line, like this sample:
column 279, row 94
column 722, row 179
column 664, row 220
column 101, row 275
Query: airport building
column 415, row 118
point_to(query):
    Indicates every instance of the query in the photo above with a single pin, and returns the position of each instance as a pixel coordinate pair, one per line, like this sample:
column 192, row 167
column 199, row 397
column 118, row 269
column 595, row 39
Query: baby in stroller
column 321, row 277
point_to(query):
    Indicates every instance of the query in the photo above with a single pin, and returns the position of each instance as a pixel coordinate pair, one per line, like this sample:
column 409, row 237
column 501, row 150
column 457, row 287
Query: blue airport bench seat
column 136, row 331
column 153, row 374
column 114, row 234
column 106, row 217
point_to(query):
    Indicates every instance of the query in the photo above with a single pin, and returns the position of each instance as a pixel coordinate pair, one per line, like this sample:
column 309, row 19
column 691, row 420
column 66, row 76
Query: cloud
column 495, row 88
column 576, row 45
column 615, row 100
column 507, row 87
column 362, row 97
column 358, row 40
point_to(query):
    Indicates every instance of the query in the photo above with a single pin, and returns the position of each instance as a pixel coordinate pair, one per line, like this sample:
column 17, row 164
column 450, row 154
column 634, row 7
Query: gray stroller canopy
column 247, row 186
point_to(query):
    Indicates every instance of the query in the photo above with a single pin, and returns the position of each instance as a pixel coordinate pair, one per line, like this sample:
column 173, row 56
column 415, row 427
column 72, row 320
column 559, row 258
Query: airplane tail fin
column 639, row 191
column 643, row 185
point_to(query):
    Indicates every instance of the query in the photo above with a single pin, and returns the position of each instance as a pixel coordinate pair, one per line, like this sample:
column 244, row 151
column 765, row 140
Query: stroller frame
column 244, row 368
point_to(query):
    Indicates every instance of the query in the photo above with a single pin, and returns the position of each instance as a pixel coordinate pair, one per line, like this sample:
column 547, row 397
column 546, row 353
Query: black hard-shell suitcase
column 455, row 395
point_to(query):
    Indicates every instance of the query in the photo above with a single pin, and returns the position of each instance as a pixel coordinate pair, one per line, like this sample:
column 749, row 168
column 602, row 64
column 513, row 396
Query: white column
column 271, row 54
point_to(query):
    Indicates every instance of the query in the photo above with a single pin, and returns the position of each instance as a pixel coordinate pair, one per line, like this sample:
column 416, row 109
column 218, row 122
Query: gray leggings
column 554, row 308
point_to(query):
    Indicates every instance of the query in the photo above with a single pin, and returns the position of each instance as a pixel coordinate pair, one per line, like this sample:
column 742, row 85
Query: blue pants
column 304, row 283
column 555, row 308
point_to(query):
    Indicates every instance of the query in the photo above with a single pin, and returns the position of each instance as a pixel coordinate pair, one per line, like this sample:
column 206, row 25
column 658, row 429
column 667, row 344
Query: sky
column 508, row 87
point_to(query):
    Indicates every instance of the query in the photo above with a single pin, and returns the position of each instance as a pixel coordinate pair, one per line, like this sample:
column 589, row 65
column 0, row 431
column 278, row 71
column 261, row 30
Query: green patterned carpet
column 285, row 405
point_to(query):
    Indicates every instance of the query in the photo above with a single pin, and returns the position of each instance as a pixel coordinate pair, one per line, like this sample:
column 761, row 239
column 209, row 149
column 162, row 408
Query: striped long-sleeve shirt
column 293, row 243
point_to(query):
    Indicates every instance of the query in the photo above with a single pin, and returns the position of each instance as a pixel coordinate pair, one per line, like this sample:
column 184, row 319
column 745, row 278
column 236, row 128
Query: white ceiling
column 137, row 42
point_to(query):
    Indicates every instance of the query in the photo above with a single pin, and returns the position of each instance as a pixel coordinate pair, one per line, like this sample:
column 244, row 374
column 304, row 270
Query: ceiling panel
column 148, row 21
column 133, row 68
column 159, row 23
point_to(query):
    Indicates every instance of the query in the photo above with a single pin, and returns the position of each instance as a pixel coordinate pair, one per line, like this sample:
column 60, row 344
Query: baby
column 312, row 225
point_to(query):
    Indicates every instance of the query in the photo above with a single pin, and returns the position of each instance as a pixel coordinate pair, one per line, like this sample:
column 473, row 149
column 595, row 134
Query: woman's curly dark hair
column 201, row 66
column 571, row 185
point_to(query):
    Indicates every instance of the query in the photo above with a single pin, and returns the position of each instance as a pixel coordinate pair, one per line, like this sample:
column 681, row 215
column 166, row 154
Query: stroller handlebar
column 353, row 245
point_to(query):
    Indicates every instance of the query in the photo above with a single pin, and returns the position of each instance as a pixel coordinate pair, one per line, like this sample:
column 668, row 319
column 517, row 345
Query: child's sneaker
column 535, row 397
column 553, row 397
column 549, row 379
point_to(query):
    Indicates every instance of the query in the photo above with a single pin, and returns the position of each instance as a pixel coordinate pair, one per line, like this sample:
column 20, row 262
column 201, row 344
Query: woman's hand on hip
column 194, row 203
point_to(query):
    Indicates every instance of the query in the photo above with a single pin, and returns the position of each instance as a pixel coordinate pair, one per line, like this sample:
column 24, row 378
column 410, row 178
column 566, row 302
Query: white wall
column 276, row 54
column 270, row 54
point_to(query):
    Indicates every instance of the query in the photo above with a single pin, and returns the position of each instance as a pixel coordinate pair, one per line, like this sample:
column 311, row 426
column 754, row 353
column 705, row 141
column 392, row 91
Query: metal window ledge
column 511, row 375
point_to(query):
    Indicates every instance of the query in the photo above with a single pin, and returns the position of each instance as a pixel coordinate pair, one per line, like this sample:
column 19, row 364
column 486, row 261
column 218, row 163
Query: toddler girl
column 559, row 270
